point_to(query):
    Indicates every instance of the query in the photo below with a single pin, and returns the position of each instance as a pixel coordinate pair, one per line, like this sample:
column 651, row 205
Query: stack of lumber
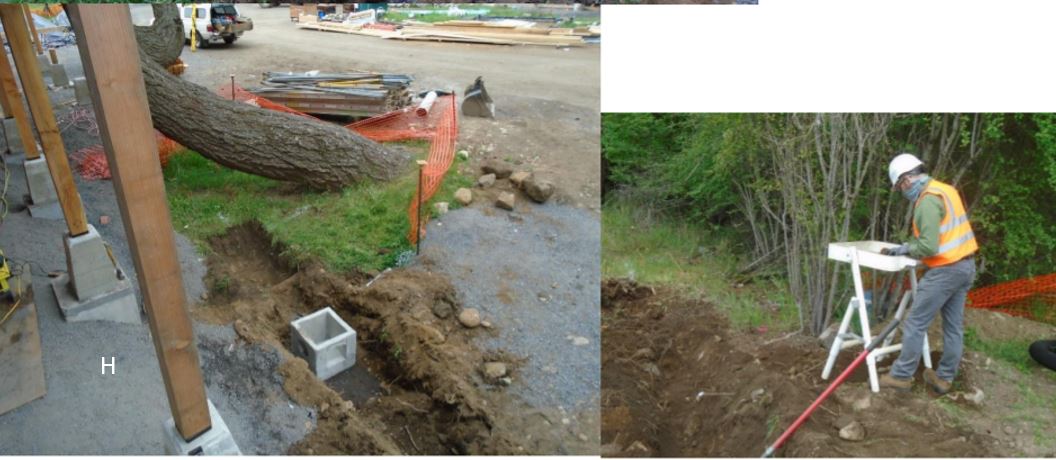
column 487, row 32
column 463, row 32
column 354, row 94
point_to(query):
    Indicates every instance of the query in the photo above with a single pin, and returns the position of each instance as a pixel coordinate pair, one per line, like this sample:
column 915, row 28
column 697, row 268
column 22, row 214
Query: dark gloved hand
column 896, row 251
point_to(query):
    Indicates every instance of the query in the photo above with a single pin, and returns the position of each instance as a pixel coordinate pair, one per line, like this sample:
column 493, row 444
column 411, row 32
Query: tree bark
column 257, row 141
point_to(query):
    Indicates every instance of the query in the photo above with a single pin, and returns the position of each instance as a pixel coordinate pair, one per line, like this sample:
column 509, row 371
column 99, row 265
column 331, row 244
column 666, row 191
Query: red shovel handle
column 828, row 391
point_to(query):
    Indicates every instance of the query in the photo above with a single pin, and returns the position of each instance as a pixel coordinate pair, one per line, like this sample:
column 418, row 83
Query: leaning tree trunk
column 243, row 137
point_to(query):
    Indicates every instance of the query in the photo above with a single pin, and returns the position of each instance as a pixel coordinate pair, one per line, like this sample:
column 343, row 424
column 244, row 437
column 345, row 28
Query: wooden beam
column 13, row 107
column 40, row 106
column 110, row 57
column 32, row 28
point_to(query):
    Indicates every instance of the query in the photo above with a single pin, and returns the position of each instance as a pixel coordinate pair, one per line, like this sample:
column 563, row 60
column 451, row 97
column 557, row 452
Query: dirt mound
column 419, row 380
column 677, row 382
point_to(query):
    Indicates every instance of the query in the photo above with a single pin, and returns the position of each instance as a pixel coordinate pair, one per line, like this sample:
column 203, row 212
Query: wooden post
column 110, row 58
column 54, row 55
column 12, row 98
column 32, row 28
column 40, row 106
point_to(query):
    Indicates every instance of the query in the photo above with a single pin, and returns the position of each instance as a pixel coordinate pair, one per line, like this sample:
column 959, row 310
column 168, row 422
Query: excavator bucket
column 476, row 102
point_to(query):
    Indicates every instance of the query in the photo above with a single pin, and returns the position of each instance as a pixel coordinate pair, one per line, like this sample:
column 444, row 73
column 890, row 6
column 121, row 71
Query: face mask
column 913, row 192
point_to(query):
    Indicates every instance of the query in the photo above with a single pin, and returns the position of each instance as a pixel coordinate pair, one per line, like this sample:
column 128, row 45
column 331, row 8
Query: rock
column 539, row 190
column 853, row 431
column 637, row 446
column 464, row 196
column 463, row 154
column 519, row 177
column 443, row 309
column 349, row 405
column 828, row 336
column 646, row 353
column 506, row 381
column 579, row 341
column 104, row 220
column 485, row 324
column 1009, row 430
column 469, row 317
column 494, row 370
column 506, row 201
column 431, row 333
column 977, row 397
column 500, row 169
column 862, row 403
column 486, row 181
column 441, row 207
column 757, row 394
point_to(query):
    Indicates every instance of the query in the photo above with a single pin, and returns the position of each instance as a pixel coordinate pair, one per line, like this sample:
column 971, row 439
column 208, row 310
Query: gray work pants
column 942, row 288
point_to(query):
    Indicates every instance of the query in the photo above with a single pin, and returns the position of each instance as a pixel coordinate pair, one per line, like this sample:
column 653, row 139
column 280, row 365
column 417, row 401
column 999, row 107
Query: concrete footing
column 44, row 61
column 91, row 288
column 216, row 441
column 14, row 140
column 58, row 75
column 80, row 90
column 38, row 181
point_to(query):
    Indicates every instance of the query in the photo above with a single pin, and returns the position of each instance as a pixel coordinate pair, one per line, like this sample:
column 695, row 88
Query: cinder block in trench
column 325, row 341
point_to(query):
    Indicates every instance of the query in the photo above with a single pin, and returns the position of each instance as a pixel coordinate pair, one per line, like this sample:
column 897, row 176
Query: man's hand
column 896, row 251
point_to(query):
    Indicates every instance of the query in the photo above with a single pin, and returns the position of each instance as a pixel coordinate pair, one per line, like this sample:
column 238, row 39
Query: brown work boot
column 936, row 383
column 895, row 383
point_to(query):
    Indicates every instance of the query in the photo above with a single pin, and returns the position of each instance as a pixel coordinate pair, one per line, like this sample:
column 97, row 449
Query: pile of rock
column 537, row 189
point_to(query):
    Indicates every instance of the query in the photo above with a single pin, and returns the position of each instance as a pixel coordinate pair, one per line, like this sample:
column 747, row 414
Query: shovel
column 828, row 391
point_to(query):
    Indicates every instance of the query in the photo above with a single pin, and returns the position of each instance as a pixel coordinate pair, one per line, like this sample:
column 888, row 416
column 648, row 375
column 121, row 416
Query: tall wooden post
column 12, row 98
column 32, row 28
column 110, row 58
column 39, row 104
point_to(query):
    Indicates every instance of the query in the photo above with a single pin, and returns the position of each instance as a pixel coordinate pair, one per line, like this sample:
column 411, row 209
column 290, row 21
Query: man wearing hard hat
column 944, row 242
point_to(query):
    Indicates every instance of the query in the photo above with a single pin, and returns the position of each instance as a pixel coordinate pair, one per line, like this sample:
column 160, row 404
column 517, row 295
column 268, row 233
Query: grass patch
column 1014, row 352
column 689, row 256
column 361, row 227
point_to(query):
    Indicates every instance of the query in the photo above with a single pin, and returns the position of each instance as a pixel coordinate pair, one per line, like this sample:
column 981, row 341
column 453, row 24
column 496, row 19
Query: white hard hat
column 901, row 164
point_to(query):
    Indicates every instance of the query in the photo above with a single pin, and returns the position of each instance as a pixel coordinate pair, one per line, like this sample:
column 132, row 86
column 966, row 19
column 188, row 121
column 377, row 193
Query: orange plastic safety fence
column 1019, row 298
column 440, row 127
column 441, row 155
column 92, row 165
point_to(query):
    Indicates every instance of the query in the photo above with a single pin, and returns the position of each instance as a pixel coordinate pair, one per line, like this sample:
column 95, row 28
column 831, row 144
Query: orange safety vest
column 956, row 240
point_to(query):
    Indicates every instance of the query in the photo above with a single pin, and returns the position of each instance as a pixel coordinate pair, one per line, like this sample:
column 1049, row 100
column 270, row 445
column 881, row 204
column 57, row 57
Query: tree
column 250, row 139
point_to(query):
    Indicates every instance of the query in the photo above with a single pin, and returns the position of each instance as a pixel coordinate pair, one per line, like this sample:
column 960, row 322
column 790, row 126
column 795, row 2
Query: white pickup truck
column 214, row 23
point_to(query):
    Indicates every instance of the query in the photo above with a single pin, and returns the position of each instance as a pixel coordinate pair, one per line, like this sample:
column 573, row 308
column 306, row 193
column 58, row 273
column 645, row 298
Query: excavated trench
column 417, row 386
column 677, row 381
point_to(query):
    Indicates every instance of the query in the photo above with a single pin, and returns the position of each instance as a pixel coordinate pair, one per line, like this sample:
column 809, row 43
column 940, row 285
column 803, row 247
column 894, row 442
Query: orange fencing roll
column 1019, row 298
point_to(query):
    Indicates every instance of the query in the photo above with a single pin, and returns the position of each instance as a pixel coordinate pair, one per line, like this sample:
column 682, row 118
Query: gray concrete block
column 58, row 75
column 117, row 305
column 91, row 271
column 38, row 181
column 325, row 341
column 80, row 90
column 14, row 139
column 48, row 211
column 43, row 60
column 216, row 441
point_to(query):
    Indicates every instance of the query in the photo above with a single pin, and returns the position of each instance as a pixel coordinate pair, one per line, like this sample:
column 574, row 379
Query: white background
column 831, row 56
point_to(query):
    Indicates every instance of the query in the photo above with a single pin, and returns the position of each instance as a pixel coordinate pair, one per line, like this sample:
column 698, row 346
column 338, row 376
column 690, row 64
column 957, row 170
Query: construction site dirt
column 418, row 385
column 679, row 381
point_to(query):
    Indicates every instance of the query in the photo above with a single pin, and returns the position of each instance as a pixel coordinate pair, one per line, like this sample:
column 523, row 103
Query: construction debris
column 353, row 94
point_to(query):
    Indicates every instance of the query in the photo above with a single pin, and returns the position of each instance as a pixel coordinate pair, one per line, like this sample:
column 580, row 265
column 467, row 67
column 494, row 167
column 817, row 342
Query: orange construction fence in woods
column 1019, row 298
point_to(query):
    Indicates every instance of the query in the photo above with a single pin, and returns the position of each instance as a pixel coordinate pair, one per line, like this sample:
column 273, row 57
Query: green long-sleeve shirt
column 927, row 215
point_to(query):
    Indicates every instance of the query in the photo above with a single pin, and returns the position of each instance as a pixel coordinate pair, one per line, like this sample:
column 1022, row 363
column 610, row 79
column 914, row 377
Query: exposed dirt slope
column 677, row 382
